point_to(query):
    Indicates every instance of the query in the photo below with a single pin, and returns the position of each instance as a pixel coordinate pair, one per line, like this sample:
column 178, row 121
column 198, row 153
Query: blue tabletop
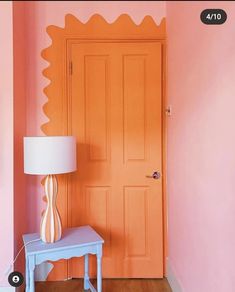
column 71, row 237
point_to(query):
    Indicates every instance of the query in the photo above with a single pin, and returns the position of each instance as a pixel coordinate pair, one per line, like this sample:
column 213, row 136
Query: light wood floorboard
column 109, row 285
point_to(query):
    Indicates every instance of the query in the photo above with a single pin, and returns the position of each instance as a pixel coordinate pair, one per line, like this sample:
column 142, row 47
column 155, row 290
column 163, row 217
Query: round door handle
column 155, row 175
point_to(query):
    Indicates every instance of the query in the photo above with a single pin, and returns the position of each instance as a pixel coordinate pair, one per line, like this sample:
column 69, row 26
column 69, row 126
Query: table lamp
column 50, row 155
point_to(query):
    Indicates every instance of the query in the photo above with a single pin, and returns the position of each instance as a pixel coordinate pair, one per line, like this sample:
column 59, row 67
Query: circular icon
column 15, row 279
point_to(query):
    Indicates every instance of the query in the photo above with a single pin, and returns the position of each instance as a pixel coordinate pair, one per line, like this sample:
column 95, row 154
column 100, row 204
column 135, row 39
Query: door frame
column 59, row 70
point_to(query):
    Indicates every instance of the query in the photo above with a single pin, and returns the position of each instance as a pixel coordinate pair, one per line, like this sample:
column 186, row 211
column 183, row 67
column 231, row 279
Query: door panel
column 115, row 113
column 134, row 107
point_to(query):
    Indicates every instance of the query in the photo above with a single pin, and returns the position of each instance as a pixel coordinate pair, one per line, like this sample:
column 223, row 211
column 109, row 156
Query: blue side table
column 75, row 242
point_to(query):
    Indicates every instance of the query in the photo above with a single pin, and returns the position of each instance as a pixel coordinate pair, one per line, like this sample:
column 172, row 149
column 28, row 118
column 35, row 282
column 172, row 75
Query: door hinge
column 70, row 68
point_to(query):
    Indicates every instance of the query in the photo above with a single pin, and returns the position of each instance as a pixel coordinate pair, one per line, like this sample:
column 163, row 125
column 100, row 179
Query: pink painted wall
column 20, row 85
column 39, row 15
column 6, row 140
column 13, row 202
column 201, row 147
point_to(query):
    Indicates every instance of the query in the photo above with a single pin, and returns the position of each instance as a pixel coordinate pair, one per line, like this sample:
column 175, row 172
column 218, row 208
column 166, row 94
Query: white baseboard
column 172, row 278
column 7, row 289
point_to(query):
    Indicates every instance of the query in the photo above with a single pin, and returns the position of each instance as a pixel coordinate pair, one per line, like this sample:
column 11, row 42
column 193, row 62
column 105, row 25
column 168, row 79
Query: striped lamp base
column 51, row 225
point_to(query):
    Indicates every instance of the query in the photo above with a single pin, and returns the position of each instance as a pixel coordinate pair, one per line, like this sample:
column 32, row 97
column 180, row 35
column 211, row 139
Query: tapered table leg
column 31, row 267
column 31, row 276
column 27, row 274
column 99, row 273
column 86, row 272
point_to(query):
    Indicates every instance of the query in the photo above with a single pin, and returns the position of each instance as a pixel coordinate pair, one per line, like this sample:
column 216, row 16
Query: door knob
column 155, row 175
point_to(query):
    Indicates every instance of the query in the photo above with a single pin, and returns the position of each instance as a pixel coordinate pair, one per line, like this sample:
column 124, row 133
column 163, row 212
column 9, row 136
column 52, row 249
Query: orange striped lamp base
column 51, row 225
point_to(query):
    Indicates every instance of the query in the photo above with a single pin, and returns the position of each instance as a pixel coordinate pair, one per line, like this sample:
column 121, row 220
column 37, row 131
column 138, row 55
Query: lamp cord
column 7, row 271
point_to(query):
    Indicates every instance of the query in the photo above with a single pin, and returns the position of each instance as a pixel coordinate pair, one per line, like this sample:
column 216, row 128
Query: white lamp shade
column 49, row 155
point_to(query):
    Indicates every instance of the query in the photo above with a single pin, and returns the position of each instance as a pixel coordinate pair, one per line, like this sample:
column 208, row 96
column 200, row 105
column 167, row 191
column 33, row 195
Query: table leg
column 31, row 276
column 86, row 272
column 99, row 273
column 31, row 267
column 26, row 274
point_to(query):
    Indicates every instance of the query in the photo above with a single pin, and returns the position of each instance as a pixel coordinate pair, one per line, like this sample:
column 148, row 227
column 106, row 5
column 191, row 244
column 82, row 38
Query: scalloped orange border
column 56, row 108
column 96, row 28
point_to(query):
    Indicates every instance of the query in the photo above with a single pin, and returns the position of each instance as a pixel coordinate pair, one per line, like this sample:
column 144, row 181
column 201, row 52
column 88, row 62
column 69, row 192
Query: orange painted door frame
column 122, row 31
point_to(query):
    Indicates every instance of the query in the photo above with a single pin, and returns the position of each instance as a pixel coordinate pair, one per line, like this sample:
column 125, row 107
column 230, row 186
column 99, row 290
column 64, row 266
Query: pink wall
column 39, row 15
column 20, row 84
column 201, row 147
column 6, row 140
column 13, row 212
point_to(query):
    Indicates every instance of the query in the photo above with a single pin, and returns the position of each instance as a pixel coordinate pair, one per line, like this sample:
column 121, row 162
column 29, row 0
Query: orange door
column 114, row 111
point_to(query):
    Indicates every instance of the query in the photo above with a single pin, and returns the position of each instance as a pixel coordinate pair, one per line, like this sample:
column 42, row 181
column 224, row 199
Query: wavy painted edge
column 74, row 26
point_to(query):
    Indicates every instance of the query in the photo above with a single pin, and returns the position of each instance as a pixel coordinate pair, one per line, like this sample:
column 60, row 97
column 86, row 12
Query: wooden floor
column 117, row 285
